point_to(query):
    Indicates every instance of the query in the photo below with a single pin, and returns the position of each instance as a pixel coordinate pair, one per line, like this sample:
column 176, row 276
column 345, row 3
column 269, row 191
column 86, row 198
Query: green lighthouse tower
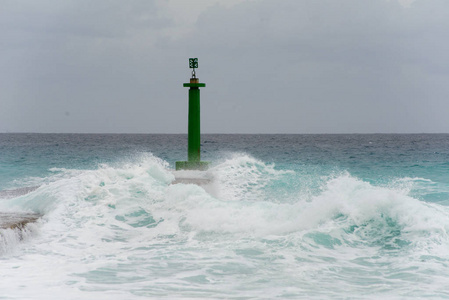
column 194, row 129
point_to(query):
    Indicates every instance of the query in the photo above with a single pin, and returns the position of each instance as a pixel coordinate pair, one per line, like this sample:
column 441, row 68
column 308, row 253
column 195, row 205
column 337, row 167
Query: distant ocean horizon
column 224, row 133
column 289, row 216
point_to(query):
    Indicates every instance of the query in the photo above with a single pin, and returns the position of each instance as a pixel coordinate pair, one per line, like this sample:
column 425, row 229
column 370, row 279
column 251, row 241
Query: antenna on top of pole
column 193, row 64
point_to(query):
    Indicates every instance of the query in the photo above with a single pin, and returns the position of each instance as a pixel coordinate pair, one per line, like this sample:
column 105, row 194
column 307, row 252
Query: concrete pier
column 192, row 177
column 200, row 178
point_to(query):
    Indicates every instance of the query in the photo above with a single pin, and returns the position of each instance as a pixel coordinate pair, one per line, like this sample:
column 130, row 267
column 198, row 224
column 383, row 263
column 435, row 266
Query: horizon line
column 207, row 133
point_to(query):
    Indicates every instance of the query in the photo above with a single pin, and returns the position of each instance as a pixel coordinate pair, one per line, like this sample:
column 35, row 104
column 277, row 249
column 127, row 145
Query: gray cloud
column 292, row 66
column 336, row 66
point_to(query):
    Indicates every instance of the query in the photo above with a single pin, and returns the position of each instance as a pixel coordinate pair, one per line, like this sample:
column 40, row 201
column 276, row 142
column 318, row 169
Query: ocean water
column 287, row 217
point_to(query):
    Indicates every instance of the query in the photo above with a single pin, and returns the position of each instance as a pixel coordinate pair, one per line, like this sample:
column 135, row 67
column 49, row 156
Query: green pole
column 194, row 131
column 194, row 126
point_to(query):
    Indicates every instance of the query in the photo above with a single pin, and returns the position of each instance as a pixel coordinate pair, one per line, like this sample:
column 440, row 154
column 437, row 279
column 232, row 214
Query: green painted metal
column 197, row 85
column 192, row 165
column 194, row 126
column 193, row 63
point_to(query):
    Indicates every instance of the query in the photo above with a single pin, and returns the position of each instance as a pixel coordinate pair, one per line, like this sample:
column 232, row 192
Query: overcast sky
column 270, row 66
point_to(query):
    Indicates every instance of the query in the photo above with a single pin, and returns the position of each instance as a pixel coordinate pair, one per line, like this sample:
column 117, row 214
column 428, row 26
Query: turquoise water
column 288, row 216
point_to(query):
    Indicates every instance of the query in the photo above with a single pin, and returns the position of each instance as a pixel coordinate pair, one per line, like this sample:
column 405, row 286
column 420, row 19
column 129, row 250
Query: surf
column 128, row 225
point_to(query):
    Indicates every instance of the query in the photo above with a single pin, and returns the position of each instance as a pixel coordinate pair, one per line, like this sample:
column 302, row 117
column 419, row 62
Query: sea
column 285, row 217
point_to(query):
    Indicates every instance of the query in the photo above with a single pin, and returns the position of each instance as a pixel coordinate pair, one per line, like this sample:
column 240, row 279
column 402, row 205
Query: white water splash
column 124, row 232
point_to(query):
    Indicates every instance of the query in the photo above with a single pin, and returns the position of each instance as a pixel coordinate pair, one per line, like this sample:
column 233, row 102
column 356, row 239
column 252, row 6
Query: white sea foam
column 242, row 177
column 124, row 232
column 10, row 238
